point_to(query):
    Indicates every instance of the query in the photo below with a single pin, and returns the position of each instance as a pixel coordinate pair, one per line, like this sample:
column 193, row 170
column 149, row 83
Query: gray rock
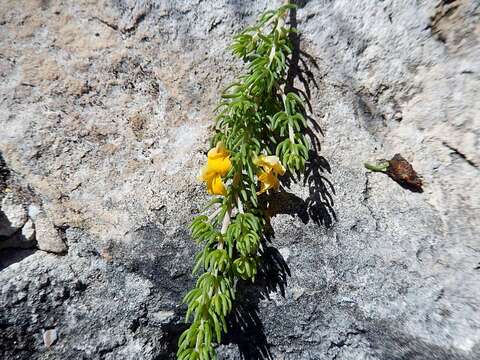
column 47, row 236
column 105, row 114
column 13, row 215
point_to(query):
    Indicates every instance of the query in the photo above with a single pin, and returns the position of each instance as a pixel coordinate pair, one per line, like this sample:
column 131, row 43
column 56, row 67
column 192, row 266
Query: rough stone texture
column 28, row 231
column 48, row 237
column 105, row 110
column 13, row 215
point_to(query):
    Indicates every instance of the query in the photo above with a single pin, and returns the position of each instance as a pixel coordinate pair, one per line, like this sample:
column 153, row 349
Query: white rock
column 33, row 211
column 285, row 252
column 161, row 317
column 50, row 337
column 28, row 231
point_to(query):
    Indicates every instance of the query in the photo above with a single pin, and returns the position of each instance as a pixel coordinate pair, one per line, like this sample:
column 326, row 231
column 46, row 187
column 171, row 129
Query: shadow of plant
column 319, row 203
column 245, row 326
column 318, row 206
column 246, row 329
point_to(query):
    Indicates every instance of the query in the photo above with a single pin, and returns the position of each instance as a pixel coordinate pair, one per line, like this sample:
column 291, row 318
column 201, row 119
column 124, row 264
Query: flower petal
column 220, row 165
column 276, row 165
column 269, row 163
column 219, row 151
column 219, row 160
column 215, row 186
column 268, row 181
column 205, row 173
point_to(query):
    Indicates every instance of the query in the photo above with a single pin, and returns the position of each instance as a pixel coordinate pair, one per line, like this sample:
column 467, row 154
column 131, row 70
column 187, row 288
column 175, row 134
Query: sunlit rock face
column 105, row 113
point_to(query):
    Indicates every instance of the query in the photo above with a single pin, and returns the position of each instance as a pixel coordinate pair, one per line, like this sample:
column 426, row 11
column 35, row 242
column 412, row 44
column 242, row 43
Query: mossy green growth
column 259, row 135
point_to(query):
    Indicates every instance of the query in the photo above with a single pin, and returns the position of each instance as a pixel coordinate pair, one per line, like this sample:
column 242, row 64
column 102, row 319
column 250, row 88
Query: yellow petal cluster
column 218, row 165
column 271, row 169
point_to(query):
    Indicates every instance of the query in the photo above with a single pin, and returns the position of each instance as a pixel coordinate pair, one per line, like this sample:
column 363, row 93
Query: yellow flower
column 270, row 163
column 218, row 165
column 268, row 181
column 215, row 186
column 219, row 160
column 272, row 167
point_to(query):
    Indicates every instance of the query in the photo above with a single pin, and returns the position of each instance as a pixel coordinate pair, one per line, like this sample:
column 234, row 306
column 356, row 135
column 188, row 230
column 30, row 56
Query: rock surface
column 28, row 231
column 48, row 237
column 12, row 216
column 105, row 112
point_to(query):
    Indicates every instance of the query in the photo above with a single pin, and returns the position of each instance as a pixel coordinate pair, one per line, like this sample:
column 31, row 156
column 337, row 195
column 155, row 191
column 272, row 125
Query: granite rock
column 13, row 215
column 48, row 236
column 105, row 113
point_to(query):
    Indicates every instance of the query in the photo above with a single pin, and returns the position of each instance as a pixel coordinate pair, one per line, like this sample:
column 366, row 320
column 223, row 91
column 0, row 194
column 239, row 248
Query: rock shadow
column 13, row 248
column 11, row 256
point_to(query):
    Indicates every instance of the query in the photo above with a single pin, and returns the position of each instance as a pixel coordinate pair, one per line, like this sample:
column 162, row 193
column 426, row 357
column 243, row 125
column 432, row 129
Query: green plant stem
column 255, row 118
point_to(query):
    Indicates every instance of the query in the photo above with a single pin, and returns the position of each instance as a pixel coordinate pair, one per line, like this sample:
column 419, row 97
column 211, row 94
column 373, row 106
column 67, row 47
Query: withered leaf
column 402, row 172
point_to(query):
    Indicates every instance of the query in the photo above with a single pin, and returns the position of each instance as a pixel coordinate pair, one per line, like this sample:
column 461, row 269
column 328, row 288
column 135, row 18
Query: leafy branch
column 259, row 135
